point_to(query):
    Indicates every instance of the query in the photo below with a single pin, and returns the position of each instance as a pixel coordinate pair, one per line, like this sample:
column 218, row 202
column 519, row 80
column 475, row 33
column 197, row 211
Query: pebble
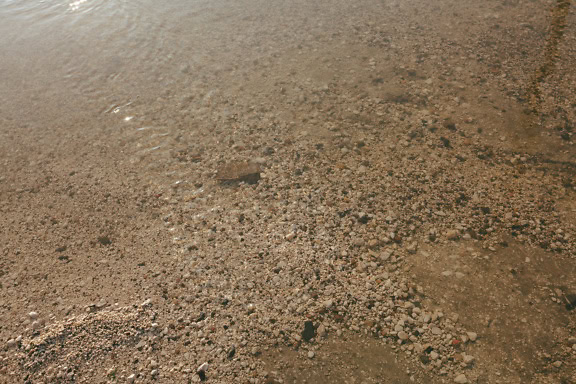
column 131, row 378
column 33, row 315
column 436, row 331
column 461, row 379
column 452, row 235
column 472, row 336
column 557, row 364
column 328, row 304
column 11, row 343
column 311, row 354
column 321, row 330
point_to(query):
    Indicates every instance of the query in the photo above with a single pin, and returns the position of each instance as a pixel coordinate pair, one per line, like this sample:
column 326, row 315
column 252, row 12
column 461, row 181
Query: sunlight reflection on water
column 75, row 5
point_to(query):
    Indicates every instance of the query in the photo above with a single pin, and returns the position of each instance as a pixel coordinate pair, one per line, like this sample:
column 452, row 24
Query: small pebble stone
column 452, row 235
column 461, row 379
column 472, row 336
column 311, row 354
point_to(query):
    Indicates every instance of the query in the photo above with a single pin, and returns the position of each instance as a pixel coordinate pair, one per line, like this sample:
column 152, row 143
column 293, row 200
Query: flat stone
column 461, row 379
column 452, row 235
column 246, row 171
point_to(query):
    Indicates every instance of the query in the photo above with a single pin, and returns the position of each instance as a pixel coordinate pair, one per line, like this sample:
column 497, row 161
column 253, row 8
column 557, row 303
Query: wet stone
column 239, row 171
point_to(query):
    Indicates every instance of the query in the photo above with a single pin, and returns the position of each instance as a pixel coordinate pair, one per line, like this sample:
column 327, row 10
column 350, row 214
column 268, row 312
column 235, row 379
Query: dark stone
column 424, row 358
column 446, row 142
column 449, row 124
column 309, row 331
column 104, row 240
column 364, row 219
column 200, row 317
column 570, row 301
column 231, row 352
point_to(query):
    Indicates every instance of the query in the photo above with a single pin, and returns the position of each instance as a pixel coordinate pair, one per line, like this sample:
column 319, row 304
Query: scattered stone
column 239, row 171
column 309, row 331
column 201, row 371
column 424, row 358
column 311, row 354
column 452, row 235
column 104, row 240
column 403, row 335
column 231, row 352
column 472, row 336
column 328, row 304
column 321, row 330
column 570, row 299
column 461, row 379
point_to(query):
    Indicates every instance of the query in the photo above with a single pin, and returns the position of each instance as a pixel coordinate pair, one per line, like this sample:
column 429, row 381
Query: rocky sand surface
column 347, row 200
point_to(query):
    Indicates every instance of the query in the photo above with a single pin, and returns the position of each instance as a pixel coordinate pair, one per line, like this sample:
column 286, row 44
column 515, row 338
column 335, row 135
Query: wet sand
column 289, row 191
